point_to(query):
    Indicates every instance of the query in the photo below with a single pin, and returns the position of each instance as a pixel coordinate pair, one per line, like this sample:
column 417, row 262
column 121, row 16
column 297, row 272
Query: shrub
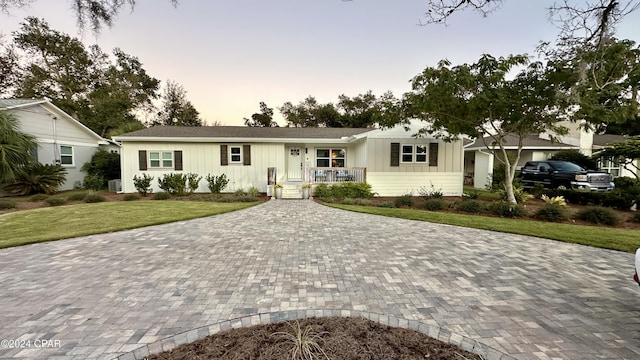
column 7, row 204
column 504, row 209
column 240, row 192
column 161, row 196
column 38, row 178
column 597, row 215
column 328, row 199
column 575, row 157
column 105, row 165
column 193, row 182
column 56, row 201
column 435, row 204
column 94, row 198
column 321, row 191
column 79, row 196
column 93, row 182
column 130, row 197
column 344, row 190
column 348, row 201
column 430, row 193
column 518, row 192
column 621, row 199
column 236, row 198
column 143, row 184
column 636, row 217
column 471, row 195
column 404, row 200
column 625, row 182
column 173, row 183
column 385, row 204
column 253, row 192
column 217, row 183
column 470, row 206
column 538, row 190
column 556, row 200
column 552, row 212
column 38, row 197
column 362, row 202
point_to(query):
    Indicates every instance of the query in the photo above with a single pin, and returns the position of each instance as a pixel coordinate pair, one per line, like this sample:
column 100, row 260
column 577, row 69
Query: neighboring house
column 479, row 161
column 392, row 161
column 61, row 139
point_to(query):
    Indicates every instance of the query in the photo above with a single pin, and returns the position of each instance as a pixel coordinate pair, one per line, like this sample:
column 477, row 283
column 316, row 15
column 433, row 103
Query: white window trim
column 160, row 152
column 231, row 154
column 73, row 156
column 330, row 158
column 414, row 154
column 607, row 165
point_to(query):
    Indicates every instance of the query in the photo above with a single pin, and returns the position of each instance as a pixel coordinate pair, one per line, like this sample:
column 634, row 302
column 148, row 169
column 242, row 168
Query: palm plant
column 15, row 149
column 37, row 179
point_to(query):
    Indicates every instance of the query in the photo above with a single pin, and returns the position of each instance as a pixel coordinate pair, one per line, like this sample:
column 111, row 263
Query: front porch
column 331, row 175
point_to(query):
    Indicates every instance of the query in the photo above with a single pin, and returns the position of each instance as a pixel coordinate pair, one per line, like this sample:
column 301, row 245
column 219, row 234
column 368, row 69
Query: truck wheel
column 562, row 187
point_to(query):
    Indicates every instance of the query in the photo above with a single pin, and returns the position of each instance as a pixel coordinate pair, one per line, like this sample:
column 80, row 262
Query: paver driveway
column 103, row 295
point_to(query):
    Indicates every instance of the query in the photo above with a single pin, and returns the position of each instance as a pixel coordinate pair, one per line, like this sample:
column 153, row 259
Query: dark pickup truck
column 564, row 175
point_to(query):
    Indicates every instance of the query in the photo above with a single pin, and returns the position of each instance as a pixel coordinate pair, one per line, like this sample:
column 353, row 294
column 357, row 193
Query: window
column 610, row 165
column 331, row 157
column 235, row 154
column 414, row 154
column 160, row 159
column 66, row 155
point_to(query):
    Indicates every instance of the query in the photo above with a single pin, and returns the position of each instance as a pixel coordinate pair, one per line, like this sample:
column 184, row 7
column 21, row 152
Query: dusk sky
column 230, row 55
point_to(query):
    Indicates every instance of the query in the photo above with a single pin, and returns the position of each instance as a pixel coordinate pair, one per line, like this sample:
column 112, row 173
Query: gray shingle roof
column 245, row 132
column 512, row 141
column 607, row 139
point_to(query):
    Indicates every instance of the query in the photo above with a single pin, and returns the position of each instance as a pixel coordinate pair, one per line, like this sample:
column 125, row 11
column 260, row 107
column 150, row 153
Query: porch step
column 291, row 191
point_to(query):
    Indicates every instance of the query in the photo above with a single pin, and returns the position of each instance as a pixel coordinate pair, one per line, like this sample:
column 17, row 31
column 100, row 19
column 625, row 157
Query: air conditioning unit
column 115, row 185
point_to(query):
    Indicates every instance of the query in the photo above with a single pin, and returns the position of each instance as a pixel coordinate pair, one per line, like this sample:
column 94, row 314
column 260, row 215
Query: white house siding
column 397, row 184
column 203, row 159
column 52, row 129
column 389, row 180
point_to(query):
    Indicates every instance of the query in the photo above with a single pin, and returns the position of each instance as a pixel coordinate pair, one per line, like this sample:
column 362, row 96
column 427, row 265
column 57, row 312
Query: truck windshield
column 566, row 166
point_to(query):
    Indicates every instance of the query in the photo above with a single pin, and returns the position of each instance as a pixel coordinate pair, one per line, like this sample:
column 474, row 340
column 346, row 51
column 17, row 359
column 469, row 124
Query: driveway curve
column 104, row 295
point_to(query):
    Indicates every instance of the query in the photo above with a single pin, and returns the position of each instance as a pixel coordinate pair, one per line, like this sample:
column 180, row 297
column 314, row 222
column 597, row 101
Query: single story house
column 479, row 161
column 393, row 161
column 61, row 139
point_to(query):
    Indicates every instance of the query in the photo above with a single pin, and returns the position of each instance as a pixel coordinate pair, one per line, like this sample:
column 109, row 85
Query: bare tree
column 96, row 13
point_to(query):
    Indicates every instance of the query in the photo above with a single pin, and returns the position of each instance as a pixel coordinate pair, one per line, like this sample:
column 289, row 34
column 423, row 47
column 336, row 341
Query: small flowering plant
column 279, row 185
column 306, row 185
column 556, row 200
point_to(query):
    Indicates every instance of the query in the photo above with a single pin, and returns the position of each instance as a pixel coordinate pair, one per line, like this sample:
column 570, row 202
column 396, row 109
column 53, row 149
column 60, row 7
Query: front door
column 294, row 163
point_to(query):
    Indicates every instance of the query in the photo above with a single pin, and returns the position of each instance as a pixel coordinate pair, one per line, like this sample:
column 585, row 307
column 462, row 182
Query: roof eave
column 231, row 139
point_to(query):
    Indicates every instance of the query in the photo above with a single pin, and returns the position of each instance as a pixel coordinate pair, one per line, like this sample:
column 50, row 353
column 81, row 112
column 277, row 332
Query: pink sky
column 231, row 54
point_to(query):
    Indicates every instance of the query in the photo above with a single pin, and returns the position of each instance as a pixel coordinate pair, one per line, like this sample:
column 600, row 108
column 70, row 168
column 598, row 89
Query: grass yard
column 62, row 222
column 603, row 237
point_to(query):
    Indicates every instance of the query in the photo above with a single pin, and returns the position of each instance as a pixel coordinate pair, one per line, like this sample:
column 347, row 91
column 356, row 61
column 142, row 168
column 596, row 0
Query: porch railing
column 318, row 175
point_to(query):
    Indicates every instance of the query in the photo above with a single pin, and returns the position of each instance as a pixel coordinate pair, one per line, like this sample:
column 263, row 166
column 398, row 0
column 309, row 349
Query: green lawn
column 61, row 222
column 597, row 236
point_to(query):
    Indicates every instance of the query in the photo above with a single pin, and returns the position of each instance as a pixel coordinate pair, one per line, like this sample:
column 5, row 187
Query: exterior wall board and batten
column 203, row 159
column 368, row 148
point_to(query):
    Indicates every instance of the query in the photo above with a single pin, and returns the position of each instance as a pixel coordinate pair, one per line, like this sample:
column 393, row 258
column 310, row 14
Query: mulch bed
column 340, row 338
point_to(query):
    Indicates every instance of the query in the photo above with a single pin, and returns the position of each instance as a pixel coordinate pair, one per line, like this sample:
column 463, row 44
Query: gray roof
column 244, row 132
column 512, row 141
column 607, row 139
column 9, row 103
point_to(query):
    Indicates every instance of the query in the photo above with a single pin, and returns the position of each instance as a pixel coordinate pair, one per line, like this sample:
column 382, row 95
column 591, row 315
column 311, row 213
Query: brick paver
column 104, row 295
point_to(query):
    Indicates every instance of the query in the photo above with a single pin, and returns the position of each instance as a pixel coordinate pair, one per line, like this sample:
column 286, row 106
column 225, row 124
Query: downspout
column 56, row 150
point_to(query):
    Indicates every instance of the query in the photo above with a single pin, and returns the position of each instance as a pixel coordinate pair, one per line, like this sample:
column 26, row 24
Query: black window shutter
column 395, row 154
column 224, row 155
column 246, row 154
column 433, row 154
column 142, row 159
column 177, row 164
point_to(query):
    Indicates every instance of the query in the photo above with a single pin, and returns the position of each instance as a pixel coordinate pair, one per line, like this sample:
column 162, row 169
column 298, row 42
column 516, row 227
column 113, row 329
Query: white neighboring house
column 393, row 161
column 61, row 139
column 479, row 162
